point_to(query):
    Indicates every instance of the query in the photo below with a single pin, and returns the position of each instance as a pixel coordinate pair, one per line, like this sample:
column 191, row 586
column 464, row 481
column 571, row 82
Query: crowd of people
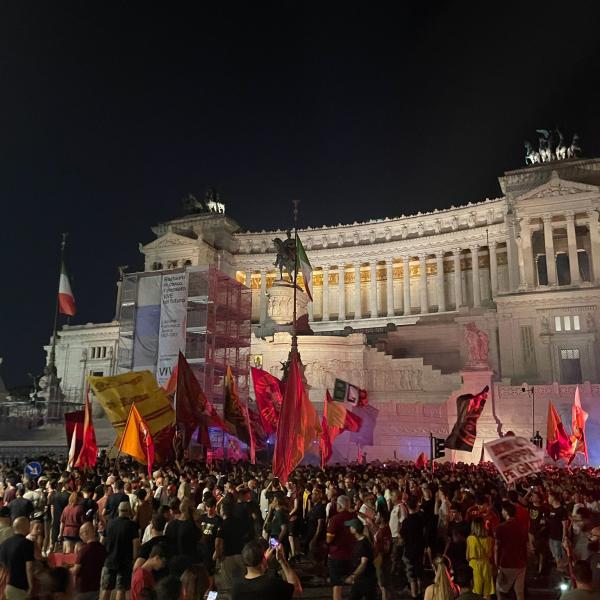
column 234, row 531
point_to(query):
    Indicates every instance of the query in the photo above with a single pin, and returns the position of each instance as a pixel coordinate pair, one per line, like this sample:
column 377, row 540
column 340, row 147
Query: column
column 310, row 311
column 373, row 290
column 389, row 277
column 493, row 268
column 357, row 300
column 406, row 283
column 263, row 295
column 572, row 243
column 549, row 244
column 527, row 253
column 457, row 279
column 441, row 294
column 341, row 292
column 248, row 279
column 594, row 244
column 475, row 274
column 325, row 310
column 521, row 261
column 423, row 283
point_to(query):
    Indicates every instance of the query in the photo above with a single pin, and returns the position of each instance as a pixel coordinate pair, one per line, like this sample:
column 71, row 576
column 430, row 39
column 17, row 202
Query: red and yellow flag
column 578, row 419
column 558, row 444
column 137, row 440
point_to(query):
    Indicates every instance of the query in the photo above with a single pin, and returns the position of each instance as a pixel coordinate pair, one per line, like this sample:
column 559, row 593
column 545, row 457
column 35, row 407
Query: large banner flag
column 72, row 419
column 234, row 414
column 346, row 392
column 298, row 428
column 173, row 321
column 515, row 457
column 89, row 451
column 269, row 397
column 136, row 439
column 558, row 442
column 578, row 419
column 336, row 419
column 116, row 394
column 147, row 323
column 469, row 408
column 66, row 300
column 305, row 267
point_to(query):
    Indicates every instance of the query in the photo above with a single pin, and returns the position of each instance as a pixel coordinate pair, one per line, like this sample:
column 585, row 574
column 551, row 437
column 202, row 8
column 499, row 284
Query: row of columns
column 525, row 248
column 372, row 310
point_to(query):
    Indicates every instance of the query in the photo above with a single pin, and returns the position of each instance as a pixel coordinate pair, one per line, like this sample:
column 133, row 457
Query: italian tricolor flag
column 304, row 265
column 66, row 300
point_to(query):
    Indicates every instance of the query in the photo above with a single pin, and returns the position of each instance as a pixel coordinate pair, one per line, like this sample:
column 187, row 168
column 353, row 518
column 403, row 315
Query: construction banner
column 116, row 394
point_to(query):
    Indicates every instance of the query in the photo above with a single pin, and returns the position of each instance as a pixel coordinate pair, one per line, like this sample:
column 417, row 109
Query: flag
column 368, row 414
column 235, row 414
column 73, row 418
column 72, row 448
column 421, row 462
column 558, row 443
column 339, row 417
column 137, row 440
column 326, row 443
column 468, row 408
column 298, row 428
column 89, row 450
column 268, row 394
column 66, row 300
column 304, row 266
column 192, row 407
column 346, row 392
column 578, row 419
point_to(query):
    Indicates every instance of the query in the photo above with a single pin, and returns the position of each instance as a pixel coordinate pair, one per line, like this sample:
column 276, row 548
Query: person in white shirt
column 397, row 515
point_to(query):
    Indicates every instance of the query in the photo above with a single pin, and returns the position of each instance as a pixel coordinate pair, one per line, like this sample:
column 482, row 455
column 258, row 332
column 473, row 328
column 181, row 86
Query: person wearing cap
column 363, row 577
column 122, row 542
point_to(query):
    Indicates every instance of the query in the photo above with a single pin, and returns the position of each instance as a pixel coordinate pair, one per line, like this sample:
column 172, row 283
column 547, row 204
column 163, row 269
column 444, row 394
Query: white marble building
column 391, row 296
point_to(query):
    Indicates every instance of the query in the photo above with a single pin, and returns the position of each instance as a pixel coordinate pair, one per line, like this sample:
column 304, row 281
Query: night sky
column 109, row 115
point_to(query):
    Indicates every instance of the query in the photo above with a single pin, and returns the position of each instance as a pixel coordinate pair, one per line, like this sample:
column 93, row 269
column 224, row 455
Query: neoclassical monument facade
column 392, row 297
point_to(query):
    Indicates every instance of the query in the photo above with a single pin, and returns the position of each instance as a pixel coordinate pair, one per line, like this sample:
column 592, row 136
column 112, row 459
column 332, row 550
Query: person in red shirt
column 89, row 560
column 483, row 509
column 341, row 545
column 522, row 514
column 510, row 555
column 143, row 577
column 71, row 520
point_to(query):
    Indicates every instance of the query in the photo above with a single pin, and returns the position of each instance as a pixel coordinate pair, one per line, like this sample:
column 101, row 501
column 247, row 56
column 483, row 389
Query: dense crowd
column 234, row 531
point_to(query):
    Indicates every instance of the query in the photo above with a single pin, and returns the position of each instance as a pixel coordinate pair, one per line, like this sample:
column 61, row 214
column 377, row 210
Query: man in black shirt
column 557, row 521
column 257, row 585
column 363, row 578
column 20, row 507
column 157, row 527
column 112, row 504
column 316, row 532
column 59, row 502
column 210, row 523
column 16, row 554
column 122, row 542
column 411, row 532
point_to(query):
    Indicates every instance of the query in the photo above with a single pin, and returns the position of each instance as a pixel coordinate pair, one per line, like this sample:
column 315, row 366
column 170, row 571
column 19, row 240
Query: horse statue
column 531, row 156
column 574, row 150
column 545, row 147
column 286, row 256
column 561, row 148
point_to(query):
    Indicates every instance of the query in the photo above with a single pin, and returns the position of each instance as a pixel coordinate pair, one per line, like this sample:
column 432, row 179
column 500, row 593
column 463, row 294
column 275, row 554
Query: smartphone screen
column 273, row 542
column 212, row 595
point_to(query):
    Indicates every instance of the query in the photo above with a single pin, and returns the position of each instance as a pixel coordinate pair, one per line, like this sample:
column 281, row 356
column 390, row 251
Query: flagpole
column 294, row 331
column 52, row 361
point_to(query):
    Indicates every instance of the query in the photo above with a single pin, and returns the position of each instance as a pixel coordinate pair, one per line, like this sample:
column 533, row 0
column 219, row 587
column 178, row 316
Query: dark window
column 562, row 269
column 570, row 366
column 542, row 270
column 584, row 265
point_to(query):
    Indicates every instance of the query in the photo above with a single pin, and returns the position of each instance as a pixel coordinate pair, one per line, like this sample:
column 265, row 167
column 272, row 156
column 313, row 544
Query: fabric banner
column 137, row 441
column 558, row 441
column 515, row 457
column 578, row 420
column 173, row 317
column 268, row 395
column 235, row 414
column 147, row 321
column 116, row 394
column 368, row 414
column 346, row 392
column 71, row 419
column 468, row 408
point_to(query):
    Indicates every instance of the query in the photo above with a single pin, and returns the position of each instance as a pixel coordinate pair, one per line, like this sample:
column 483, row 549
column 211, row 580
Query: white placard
column 515, row 457
column 173, row 318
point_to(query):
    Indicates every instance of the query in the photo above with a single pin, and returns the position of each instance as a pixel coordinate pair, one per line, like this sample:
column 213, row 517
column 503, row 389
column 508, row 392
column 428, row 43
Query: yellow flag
column 130, row 441
column 116, row 394
column 336, row 414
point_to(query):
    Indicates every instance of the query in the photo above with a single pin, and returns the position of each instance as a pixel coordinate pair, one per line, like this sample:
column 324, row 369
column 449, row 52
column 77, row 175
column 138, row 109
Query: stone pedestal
column 474, row 380
column 280, row 308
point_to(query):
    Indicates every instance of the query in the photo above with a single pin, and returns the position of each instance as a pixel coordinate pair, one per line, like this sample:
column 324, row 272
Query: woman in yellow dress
column 480, row 551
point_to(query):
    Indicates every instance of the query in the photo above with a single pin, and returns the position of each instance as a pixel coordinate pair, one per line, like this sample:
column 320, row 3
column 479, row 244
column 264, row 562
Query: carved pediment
column 168, row 240
column 556, row 187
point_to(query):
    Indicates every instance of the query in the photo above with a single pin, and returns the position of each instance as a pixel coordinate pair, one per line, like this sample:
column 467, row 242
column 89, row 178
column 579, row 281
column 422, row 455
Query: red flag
column 298, row 426
column 235, row 414
column 558, row 444
column 578, row 419
column 72, row 419
column 326, row 442
column 268, row 393
column 192, row 407
column 421, row 461
column 89, row 450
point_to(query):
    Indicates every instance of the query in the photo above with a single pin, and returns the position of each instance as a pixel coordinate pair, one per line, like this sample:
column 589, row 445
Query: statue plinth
column 280, row 309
